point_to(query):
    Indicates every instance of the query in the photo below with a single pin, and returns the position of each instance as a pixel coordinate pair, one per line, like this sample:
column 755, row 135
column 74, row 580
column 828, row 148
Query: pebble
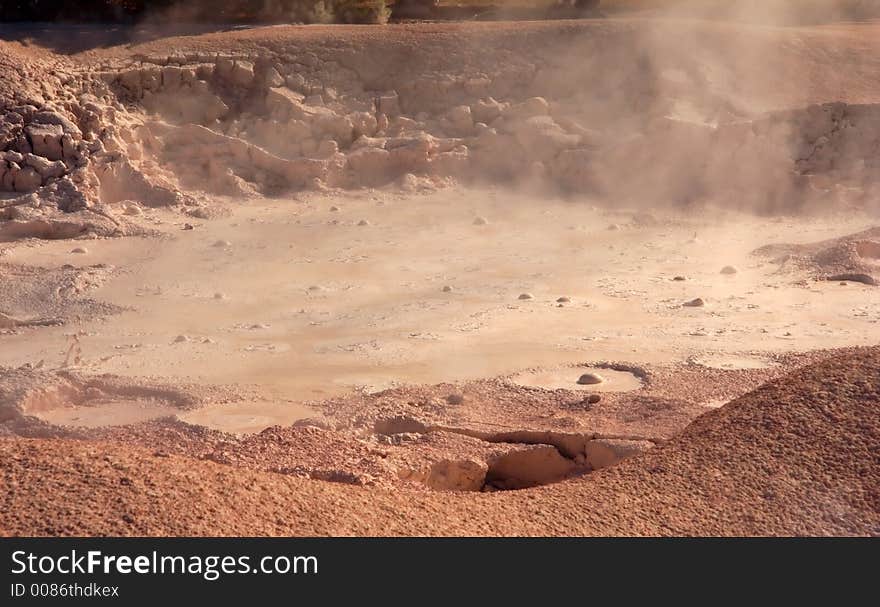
column 219, row 296
column 679, row 278
column 480, row 221
column 180, row 339
column 593, row 399
column 80, row 250
column 590, row 379
column 563, row 300
column 526, row 296
column 188, row 226
column 695, row 303
column 447, row 289
column 613, row 227
column 729, row 270
column 363, row 222
column 133, row 210
column 334, row 208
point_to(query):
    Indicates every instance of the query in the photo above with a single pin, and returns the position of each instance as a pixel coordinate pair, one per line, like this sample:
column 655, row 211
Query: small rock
column 363, row 222
column 219, row 296
column 455, row 399
column 447, row 289
column 679, row 278
column 133, row 210
column 729, row 270
column 181, row 339
column 188, row 226
column 526, row 296
column 586, row 403
column 480, row 221
column 334, row 209
column 613, row 227
column 590, row 379
column 80, row 250
column 694, row 303
column 563, row 299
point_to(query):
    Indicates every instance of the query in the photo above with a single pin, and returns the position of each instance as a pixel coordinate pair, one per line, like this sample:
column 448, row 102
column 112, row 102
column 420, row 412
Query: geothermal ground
column 587, row 277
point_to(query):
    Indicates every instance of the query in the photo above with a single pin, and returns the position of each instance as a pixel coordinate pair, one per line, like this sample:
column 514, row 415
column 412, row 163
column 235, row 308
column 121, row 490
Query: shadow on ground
column 72, row 38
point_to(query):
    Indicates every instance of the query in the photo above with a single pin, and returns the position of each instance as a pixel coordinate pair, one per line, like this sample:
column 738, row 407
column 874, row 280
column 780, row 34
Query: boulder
column 46, row 140
column 47, row 117
column 296, row 82
column 542, row 137
column 27, row 180
column 46, row 168
column 272, row 78
column 242, row 73
column 533, row 106
column 172, row 77
column 285, row 104
column 364, row 123
column 460, row 119
column 224, row 68
column 388, row 103
column 486, row 110
column 8, row 171
column 329, row 124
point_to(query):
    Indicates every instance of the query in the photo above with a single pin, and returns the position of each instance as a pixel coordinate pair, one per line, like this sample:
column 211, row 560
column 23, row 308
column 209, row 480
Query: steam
column 764, row 12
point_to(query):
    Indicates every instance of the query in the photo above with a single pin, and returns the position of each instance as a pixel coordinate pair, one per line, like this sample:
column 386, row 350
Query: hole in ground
column 531, row 467
column 545, row 457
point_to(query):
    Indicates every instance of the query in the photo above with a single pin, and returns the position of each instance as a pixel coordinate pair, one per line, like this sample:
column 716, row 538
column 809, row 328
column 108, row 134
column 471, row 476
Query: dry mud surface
column 585, row 277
